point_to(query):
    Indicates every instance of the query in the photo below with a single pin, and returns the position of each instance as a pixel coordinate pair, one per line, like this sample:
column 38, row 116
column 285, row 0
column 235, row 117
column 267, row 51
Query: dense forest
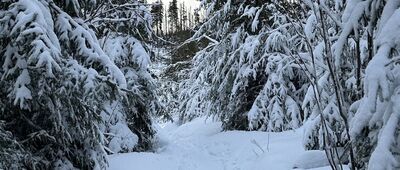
column 84, row 81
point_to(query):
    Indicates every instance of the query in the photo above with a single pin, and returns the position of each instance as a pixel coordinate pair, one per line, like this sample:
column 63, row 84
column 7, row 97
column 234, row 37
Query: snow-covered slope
column 200, row 145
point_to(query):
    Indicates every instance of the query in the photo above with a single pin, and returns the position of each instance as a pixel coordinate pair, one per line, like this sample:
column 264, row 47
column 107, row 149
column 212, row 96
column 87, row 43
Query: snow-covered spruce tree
column 277, row 107
column 141, row 102
column 124, row 26
column 375, row 126
column 55, row 79
column 59, row 83
column 237, row 73
column 211, row 83
column 350, row 47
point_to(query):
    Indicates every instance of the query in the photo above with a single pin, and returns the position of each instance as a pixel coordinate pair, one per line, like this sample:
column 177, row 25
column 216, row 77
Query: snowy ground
column 200, row 145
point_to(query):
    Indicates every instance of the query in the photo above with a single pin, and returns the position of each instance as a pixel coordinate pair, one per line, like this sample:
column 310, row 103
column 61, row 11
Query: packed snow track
column 200, row 145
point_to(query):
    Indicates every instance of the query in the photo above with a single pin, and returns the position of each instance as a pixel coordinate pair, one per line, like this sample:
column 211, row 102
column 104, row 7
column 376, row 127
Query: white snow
column 22, row 93
column 312, row 159
column 250, row 12
column 254, row 25
column 310, row 27
column 124, row 138
column 200, row 145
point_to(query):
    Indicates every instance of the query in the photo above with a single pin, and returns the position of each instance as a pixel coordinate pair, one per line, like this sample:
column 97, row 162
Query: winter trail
column 200, row 145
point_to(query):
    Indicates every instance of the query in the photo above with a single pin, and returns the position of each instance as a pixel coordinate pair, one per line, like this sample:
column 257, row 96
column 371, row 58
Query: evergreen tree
column 124, row 28
column 66, row 97
column 166, row 22
column 347, row 118
column 374, row 128
column 157, row 11
column 173, row 16
column 52, row 82
column 183, row 17
column 310, row 70
column 231, row 72
column 196, row 16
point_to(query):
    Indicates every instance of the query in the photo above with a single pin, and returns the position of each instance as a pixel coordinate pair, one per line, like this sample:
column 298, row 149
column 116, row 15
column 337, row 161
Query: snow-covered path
column 200, row 145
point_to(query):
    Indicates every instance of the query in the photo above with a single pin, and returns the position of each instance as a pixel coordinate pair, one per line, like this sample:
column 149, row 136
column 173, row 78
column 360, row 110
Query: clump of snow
column 120, row 48
column 22, row 93
column 312, row 159
column 235, row 38
column 250, row 11
column 119, row 137
column 310, row 27
column 124, row 138
column 254, row 24
column 227, row 6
